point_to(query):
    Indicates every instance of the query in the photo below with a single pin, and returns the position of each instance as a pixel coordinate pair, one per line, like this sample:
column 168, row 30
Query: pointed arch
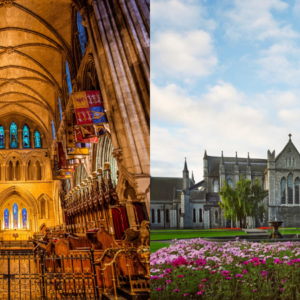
column 283, row 190
column 26, row 137
column 290, row 188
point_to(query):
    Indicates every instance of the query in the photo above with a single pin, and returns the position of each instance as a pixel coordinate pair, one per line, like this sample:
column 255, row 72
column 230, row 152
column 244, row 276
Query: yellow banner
column 80, row 100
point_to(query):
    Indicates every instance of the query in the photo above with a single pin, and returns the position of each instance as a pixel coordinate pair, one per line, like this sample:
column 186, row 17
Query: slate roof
column 197, row 195
column 161, row 188
column 258, row 165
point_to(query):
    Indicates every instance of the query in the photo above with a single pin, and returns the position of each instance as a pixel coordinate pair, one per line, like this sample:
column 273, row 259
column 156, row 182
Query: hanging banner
column 89, row 135
column 70, row 136
column 82, row 109
column 56, row 173
column 88, row 107
column 61, row 155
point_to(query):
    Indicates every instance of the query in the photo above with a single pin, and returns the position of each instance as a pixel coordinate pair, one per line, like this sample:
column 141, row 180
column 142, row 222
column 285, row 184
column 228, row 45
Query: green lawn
column 156, row 246
column 158, row 236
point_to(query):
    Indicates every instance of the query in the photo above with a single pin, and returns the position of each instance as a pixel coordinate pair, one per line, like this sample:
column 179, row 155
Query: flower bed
column 227, row 228
column 232, row 270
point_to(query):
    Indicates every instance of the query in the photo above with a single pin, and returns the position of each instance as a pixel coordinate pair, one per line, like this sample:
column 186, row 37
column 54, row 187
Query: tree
column 245, row 200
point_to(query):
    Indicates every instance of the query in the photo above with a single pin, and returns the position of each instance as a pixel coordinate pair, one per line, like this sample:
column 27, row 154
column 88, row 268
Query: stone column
column 23, row 172
column 124, row 97
column 34, row 172
column 3, row 173
column 102, row 84
column 32, row 138
column 14, row 171
column 20, row 131
column 6, row 139
column 42, row 141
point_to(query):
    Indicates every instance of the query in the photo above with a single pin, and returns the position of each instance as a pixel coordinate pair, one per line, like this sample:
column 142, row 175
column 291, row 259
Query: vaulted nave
column 74, row 149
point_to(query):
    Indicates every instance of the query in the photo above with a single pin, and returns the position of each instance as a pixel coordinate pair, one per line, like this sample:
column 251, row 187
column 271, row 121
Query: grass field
column 159, row 236
column 156, row 246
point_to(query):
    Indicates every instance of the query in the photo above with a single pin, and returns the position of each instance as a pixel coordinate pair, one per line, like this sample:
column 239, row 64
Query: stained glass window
column 26, row 140
column 24, row 218
column 68, row 78
column 290, row 189
column 60, row 111
column 81, row 33
column 13, row 135
column 37, row 140
column 6, row 218
column 283, row 183
column 15, row 215
column 229, row 182
column 53, row 130
column 2, row 137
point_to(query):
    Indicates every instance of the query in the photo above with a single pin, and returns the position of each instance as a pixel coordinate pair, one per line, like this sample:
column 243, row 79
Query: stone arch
column 80, row 174
column 47, row 199
column 13, row 156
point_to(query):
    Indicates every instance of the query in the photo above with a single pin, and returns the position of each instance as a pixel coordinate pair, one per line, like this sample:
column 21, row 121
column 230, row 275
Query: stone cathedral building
column 49, row 50
column 184, row 203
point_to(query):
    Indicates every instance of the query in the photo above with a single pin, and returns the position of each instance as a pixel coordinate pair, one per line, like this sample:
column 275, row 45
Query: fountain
column 275, row 234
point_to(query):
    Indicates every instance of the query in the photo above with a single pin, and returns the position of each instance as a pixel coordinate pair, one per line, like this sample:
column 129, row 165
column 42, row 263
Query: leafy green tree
column 245, row 200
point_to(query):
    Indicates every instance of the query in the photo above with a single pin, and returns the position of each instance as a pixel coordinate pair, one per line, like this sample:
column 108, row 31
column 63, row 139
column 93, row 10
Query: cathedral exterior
column 183, row 203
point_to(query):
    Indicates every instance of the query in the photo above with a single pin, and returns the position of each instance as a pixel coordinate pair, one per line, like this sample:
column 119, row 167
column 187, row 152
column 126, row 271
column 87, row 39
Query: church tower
column 185, row 177
column 222, row 171
column 186, row 220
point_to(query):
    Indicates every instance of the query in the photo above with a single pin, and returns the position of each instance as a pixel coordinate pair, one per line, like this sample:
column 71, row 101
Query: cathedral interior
column 74, row 149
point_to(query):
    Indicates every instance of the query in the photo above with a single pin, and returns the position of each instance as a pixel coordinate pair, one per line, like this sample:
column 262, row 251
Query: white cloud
column 220, row 119
column 280, row 63
column 183, row 54
column 253, row 19
column 180, row 14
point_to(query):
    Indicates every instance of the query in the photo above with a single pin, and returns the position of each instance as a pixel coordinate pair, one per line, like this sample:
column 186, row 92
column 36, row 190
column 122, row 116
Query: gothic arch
column 22, row 193
column 13, row 156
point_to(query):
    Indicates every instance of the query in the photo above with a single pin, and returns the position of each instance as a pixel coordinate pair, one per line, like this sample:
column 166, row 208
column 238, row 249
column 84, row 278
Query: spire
column 205, row 155
column 290, row 137
column 222, row 159
column 193, row 176
column 248, row 161
column 185, row 169
column 236, row 159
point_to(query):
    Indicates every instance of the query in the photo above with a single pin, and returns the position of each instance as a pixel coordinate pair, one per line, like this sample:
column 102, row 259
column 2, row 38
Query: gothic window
column 37, row 140
column 15, row 215
column 200, row 215
column 6, row 218
column 24, row 218
column 216, row 186
column 60, row 110
column 194, row 215
column 286, row 162
column 53, row 130
column 26, row 140
column 13, row 135
column 2, row 137
column 81, row 33
column 68, row 78
column 290, row 161
column 283, row 183
column 216, row 217
column 229, row 182
column 158, row 216
column 167, row 216
column 290, row 189
column 297, row 191
column 153, row 216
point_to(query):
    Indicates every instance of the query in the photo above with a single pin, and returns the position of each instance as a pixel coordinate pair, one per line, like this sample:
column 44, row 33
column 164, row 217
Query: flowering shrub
column 233, row 270
column 228, row 228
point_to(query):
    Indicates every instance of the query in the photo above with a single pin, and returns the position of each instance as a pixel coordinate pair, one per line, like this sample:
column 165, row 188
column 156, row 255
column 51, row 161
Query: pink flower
column 237, row 238
column 228, row 278
column 168, row 270
column 212, row 272
column 176, row 290
column 245, row 271
column 158, row 289
column 281, row 289
column 283, row 281
column 199, row 293
column 238, row 275
column 179, row 261
column 255, row 290
column 245, row 262
column 180, row 276
column 204, row 280
column 168, row 281
column 185, row 294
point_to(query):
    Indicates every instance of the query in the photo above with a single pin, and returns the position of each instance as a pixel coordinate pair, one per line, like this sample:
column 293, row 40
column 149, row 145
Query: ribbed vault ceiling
column 35, row 41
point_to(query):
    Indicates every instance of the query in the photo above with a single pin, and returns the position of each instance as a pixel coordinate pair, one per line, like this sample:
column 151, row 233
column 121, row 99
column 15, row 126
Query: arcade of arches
column 49, row 50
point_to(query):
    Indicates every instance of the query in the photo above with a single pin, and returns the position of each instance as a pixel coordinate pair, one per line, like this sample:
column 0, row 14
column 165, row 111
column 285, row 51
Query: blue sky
column 225, row 75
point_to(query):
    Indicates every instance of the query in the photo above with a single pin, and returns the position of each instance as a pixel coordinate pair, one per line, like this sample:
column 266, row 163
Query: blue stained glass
column 68, row 78
column 6, row 218
column 26, row 140
column 2, row 137
column 15, row 215
column 37, row 140
column 13, row 135
column 53, row 130
column 81, row 33
column 60, row 111
column 24, row 218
